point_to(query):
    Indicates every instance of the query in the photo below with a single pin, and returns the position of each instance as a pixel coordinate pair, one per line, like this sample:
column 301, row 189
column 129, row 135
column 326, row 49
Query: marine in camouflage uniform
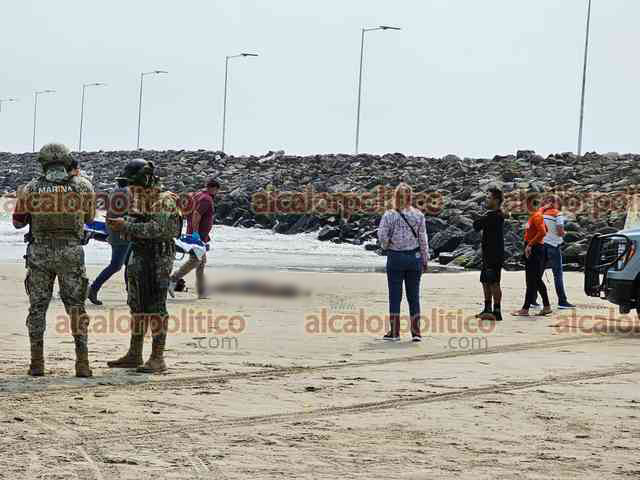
column 152, row 225
column 56, row 205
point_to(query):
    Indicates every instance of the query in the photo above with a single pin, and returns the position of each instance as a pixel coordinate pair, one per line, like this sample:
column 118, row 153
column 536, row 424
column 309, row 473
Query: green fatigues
column 156, row 303
column 149, row 267
column 56, row 250
column 57, row 210
column 44, row 264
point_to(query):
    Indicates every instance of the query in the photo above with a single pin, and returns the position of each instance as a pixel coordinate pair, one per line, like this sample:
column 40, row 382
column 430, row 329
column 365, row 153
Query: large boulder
column 435, row 225
column 328, row 233
column 447, row 240
column 304, row 224
column 467, row 257
column 575, row 253
column 445, row 258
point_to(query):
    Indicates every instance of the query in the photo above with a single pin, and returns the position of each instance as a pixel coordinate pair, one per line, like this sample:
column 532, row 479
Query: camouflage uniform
column 152, row 234
column 58, row 205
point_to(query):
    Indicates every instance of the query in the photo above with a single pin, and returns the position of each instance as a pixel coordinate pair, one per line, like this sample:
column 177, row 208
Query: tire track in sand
column 373, row 406
column 29, row 395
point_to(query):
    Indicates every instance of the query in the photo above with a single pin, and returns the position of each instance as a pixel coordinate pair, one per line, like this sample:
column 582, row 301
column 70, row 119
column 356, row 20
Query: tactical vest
column 57, row 211
column 142, row 211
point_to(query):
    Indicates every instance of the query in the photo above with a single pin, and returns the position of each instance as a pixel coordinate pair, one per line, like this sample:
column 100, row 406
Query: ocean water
column 245, row 248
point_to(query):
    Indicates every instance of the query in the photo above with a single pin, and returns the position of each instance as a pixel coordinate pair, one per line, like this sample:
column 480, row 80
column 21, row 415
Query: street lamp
column 35, row 113
column 584, row 79
column 84, row 88
column 6, row 100
column 365, row 30
column 226, row 84
column 142, row 75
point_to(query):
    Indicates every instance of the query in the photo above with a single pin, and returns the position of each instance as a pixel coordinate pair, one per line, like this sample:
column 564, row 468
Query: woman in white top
column 403, row 233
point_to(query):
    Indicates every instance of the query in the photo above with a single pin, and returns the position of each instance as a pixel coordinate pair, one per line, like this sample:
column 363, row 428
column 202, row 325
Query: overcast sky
column 471, row 77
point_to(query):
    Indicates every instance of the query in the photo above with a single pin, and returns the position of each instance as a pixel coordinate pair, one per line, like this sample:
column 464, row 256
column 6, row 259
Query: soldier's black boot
column 36, row 368
column 133, row 358
column 156, row 364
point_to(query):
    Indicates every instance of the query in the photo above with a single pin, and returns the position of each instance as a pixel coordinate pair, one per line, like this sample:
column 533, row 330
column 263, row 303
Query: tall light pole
column 35, row 113
column 142, row 75
column 84, row 88
column 584, row 79
column 6, row 100
column 365, row 30
column 226, row 85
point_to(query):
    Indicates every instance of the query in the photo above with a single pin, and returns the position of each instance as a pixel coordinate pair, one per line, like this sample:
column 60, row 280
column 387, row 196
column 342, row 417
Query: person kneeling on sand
column 403, row 233
column 492, row 227
column 534, row 255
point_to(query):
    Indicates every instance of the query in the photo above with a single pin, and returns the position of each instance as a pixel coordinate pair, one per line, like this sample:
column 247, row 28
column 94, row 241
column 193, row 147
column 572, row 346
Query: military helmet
column 55, row 154
column 139, row 172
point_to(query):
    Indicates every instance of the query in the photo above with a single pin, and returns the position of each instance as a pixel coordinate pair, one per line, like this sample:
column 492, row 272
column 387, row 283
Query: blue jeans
column 404, row 267
column 118, row 256
column 553, row 255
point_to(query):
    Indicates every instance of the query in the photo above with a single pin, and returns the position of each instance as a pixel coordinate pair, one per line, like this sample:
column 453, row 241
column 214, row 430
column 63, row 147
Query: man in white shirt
column 554, row 220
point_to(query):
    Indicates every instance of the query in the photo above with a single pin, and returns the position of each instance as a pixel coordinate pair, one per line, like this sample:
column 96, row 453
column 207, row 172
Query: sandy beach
column 304, row 388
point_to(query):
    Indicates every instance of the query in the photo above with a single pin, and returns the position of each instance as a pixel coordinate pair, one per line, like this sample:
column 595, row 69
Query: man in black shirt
column 492, row 226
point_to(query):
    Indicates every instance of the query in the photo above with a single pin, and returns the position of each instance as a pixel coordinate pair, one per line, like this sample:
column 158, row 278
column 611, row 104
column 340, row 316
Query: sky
column 470, row 77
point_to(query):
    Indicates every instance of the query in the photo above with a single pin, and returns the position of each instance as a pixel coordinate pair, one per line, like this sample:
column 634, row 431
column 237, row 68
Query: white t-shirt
column 553, row 220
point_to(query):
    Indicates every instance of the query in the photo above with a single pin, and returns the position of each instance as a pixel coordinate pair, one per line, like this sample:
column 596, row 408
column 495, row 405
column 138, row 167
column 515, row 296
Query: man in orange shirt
column 534, row 254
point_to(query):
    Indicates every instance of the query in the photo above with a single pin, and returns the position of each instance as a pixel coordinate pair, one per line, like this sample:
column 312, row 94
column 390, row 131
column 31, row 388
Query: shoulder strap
column 407, row 222
column 393, row 228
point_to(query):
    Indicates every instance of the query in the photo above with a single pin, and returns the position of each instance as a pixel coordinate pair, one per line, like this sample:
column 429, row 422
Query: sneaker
column 93, row 297
column 417, row 338
column 536, row 305
column 566, row 306
column 172, row 288
column 391, row 338
column 483, row 314
column 497, row 316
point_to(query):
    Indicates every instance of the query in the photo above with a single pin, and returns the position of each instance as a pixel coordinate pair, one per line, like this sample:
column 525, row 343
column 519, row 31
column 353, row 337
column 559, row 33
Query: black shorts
column 491, row 274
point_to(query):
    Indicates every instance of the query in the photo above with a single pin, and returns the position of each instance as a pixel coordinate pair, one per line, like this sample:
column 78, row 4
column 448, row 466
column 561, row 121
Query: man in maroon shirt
column 199, row 225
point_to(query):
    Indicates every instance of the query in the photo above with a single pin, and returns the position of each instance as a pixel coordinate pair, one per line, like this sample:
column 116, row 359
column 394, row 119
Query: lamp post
column 226, row 85
column 584, row 79
column 142, row 75
column 364, row 31
column 35, row 113
column 6, row 100
column 84, row 88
